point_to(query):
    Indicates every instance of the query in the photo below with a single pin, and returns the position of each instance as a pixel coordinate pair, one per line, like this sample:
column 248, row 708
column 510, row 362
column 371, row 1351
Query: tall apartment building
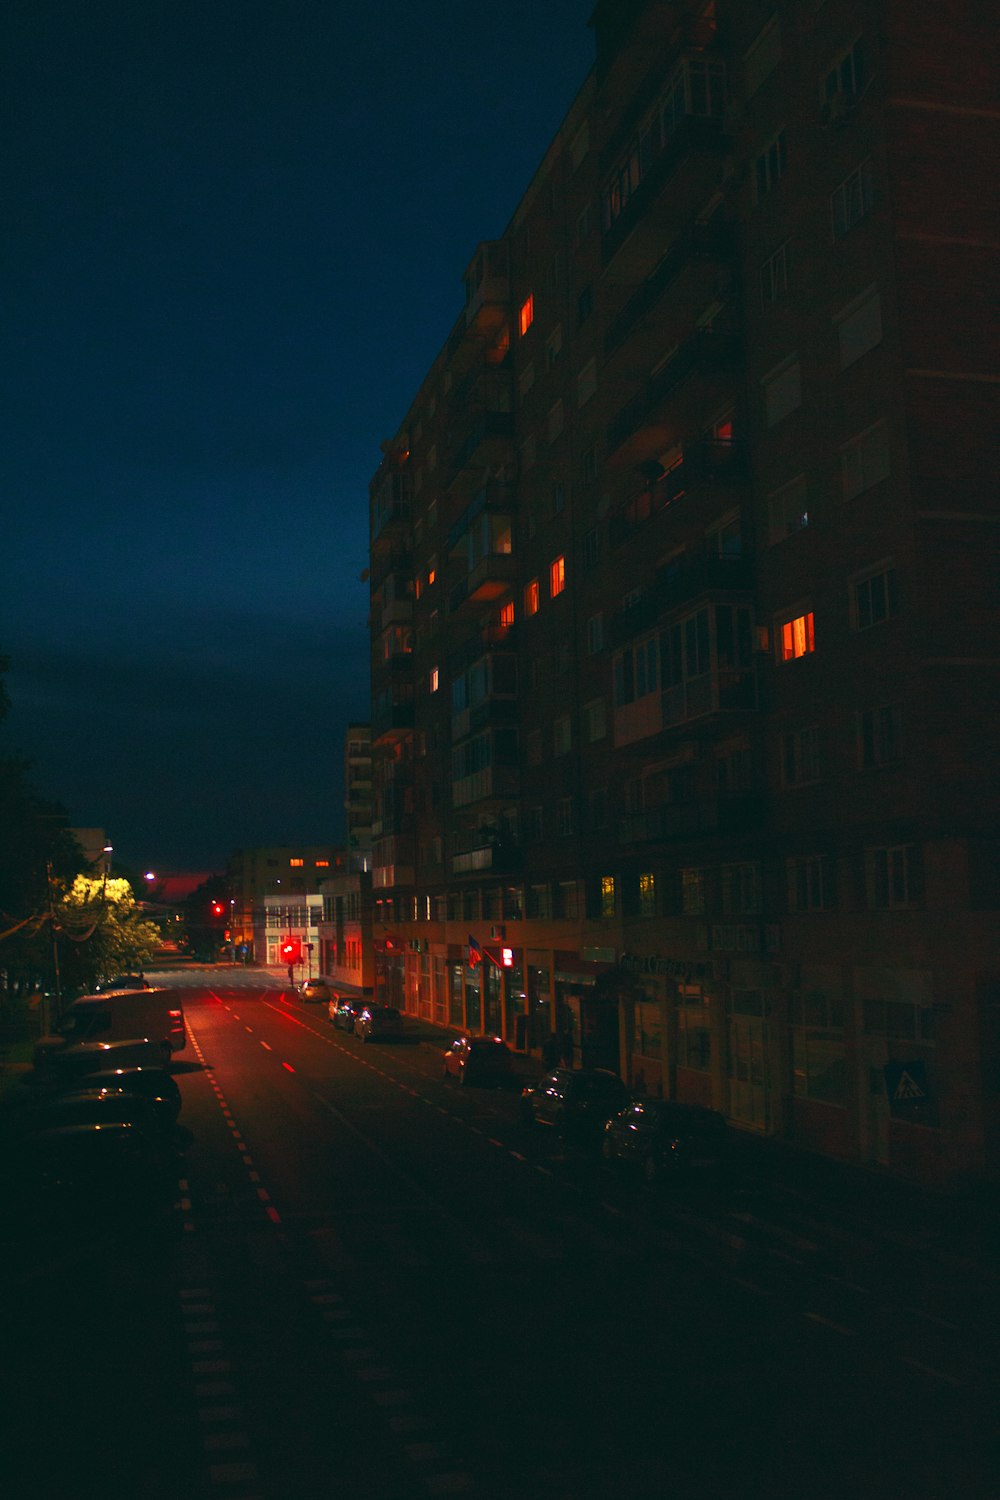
column 684, row 589
column 358, row 792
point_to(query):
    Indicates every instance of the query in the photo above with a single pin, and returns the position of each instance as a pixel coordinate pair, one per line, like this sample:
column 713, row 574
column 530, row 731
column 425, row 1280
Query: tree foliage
column 101, row 931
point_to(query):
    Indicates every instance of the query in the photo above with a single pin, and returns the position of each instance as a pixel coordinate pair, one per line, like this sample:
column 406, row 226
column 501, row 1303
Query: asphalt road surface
column 373, row 1283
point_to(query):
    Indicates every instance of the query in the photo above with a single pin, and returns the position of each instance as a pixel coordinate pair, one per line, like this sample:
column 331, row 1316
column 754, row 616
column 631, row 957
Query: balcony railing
column 705, row 349
column 488, row 580
column 695, row 133
column 700, row 242
column 677, row 584
column 706, row 462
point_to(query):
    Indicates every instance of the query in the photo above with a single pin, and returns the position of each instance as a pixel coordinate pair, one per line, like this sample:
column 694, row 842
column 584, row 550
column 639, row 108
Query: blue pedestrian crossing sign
column 907, row 1086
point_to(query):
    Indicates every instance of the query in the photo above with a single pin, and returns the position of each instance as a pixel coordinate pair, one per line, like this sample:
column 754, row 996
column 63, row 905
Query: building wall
column 684, row 590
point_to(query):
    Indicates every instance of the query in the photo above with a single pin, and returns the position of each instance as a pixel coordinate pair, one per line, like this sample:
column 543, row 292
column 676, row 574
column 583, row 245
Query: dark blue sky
column 233, row 236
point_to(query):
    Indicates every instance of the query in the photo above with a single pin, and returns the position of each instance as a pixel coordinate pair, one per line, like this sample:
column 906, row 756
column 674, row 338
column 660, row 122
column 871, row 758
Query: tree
column 208, row 918
column 101, row 931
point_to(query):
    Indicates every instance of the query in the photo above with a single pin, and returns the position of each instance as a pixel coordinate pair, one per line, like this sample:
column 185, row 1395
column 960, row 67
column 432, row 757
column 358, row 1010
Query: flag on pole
column 475, row 952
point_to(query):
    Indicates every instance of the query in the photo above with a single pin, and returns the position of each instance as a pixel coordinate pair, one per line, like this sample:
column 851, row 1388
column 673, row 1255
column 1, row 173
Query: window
column 553, row 345
column 296, row 864
column 588, row 466
column 531, row 597
column 774, row 276
column 435, row 679
column 536, row 825
column 526, row 379
column 586, row 382
column 595, row 719
column 741, row 889
column 592, row 547
column 796, row 637
column 579, row 145
column 555, row 422
column 900, row 1019
column 852, row 200
column 558, row 498
column 584, row 304
column 693, row 893
column 879, row 736
column 526, row 315
column 557, row 576
column 734, row 770
column 584, row 223
column 607, row 896
column 694, row 1030
column 876, row 598
column 761, row 58
column 595, row 634
column 782, row 388
column 847, row 76
column 647, row 894
column 597, row 807
column 859, row 326
column 636, row 672
column 818, row 1051
column 788, row 509
column 528, row 454
column 533, row 747
column 800, row 756
column 864, row 461
column 506, row 617
column 562, row 735
column 896, row 876
column 770, row 165
column 564, row 816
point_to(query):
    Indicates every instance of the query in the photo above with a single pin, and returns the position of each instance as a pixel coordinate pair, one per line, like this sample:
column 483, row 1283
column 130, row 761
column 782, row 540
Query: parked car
column 661, row 1138
column 122, row 982
column 576, row 1103
column 120, row 1016
column 95, row 1057
column 154, row 1084
column 317, row 989
column 379, row 1023
column 344, row 1011
column 98, row 1106
column 91, row 1169
column 480, row 1061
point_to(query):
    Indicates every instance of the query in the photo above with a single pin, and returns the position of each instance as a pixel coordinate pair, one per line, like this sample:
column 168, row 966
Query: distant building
column 358, row 793
column 270, row 887
column 345, row 932
column 684, row 589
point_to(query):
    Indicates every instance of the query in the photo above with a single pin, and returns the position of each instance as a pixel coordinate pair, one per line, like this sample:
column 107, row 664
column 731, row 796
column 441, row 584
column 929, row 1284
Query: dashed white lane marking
column 932, row 1318
column 250, row 1029
column 915, row 1364
column 269, row 1048
column 829, row 1323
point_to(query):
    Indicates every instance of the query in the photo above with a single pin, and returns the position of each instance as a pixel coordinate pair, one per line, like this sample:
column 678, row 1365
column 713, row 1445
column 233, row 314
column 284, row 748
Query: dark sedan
column 575, row 1103
column 480, row 1061
column 344, row 1010
column 665, row 1139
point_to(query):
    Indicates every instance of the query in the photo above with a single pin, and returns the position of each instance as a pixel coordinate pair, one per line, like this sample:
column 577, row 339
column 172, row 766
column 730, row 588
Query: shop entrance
column 747, row 1060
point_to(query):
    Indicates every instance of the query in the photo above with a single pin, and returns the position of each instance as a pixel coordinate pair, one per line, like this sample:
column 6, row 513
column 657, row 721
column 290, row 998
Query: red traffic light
column 291, row 951
column 217, row 908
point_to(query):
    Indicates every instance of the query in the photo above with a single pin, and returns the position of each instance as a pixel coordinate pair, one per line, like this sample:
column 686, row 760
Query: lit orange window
column 435, row 679
column 797, row 638
column 431, row 575
column 295, row 863
column 507, row 615
column 322, row 864
column 526, row 316
column 557, row 576
column 531, row 597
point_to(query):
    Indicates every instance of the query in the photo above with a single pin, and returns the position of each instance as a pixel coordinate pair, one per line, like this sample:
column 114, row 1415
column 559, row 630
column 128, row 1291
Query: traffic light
column 217, row 908
column 291, row 950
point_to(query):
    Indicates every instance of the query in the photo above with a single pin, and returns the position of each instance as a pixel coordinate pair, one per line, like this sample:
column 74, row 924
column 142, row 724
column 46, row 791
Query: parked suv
column 379, row 1023
column 662, row 1138
column 576, row 1103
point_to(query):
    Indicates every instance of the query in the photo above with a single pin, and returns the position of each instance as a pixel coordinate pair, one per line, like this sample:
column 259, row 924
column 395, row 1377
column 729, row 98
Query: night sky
column 233, row 237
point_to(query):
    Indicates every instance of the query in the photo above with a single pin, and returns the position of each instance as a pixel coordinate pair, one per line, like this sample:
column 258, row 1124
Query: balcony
column 502, row 857
column 696, row 135
column 392, row 720
column 729, row 690
column 491, row 499
column 493, row 713
column 390, row 525
column 489, row 580
column 487, row 441
column 485, row 640
column 678, row 583
column 706, row 462
column 699, row 243
column 706, row 350
column 485, row 785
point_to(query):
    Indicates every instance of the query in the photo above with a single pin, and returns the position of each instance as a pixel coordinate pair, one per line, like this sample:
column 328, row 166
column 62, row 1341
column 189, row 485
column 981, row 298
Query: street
column 376, row 1283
